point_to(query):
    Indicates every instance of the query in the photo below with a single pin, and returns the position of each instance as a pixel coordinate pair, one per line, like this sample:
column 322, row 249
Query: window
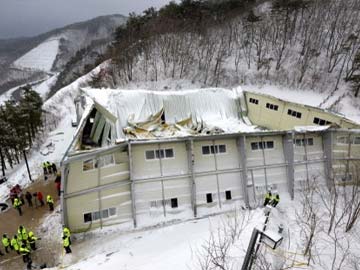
column 206, row 150
column 222, row 148
column 104, row 161
column 87, row 217
column 150, row 154
column 169, row 153
column 159, row 153
column 342, row 140
column 104, row 214
column 262, row 145
column 174, row 203
column 272, row 106
column 254, row 101
column 357, row 140
column 302, row 142
column 294, row 113
column 209, row 198
column 213, row 149
column 321, row 122
column 88, row 165
column 228, row 195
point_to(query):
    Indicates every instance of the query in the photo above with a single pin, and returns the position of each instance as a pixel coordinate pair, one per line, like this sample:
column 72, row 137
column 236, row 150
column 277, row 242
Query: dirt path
column 31, row 219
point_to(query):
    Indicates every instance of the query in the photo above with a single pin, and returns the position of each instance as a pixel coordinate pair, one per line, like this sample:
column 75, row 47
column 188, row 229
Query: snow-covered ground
column 41, row 57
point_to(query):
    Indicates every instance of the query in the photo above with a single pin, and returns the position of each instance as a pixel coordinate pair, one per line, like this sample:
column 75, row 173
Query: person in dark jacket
column 28, row 197
column 54, row 169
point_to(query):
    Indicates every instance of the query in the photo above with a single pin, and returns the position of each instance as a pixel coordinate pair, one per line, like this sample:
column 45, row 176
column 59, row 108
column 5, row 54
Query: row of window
column 254, row 101
column 321, row 122
column 262, row 145
column 103, row 161
column 159, row 153
column 294, row 113
column 347, row 140
column 173, row 202
column 213, row 149
column 272, row 106
column 209, row 196
column 97, row 215
column 302, row 142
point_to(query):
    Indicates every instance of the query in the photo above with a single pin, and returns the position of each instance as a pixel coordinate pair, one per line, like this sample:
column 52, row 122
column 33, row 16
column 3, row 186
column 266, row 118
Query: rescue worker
column 32, row 240
column 48, row 167
column 44, row 168
column 25, row 252
column 15, row 244
column 17, row 205
column 268, row 197
column 66, row 242
column 275, row 200
column 67, row 233
column 6, row 243
column 22, row 234
column 50, row 202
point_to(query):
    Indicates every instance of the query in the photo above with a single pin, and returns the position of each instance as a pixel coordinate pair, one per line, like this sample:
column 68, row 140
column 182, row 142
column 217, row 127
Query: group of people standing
column 18, row 202
column 22, row 243
column 271, row 199
column 49, row 168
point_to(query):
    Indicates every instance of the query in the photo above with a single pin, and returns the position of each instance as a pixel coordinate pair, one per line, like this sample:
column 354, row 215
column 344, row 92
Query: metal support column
column 327, row 138
column 217, row 175
column 99, row 192
column 162, row 181
column 191, row 163
column 132, row 185
column 288, row 148
column 241, row 144
column 64, row 175
column 264, row 161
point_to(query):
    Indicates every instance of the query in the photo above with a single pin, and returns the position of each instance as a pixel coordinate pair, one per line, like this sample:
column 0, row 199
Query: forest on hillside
column 312, row 44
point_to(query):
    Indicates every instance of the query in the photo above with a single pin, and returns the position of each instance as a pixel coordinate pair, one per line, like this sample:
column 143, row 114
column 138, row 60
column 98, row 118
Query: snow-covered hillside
column 41, row 57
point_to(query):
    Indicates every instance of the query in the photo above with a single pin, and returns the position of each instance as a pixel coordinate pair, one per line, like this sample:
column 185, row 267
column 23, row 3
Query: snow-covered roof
column 212, row 109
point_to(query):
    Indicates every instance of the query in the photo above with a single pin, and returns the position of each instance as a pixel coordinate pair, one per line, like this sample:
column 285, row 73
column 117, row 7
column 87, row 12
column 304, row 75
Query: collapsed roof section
column 113, row 115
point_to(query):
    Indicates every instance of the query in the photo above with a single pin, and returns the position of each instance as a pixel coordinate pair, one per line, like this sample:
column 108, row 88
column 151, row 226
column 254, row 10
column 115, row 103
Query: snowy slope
column 41, row 57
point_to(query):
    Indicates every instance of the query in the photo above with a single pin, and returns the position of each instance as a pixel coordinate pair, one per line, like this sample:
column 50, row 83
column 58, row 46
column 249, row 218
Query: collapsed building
column 141, row 157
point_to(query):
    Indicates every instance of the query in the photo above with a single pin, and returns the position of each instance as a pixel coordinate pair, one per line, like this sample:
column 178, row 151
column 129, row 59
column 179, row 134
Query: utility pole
column 27, row 165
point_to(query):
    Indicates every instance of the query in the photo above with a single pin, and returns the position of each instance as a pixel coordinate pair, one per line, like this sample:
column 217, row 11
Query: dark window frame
column 174, row 203
column 228, row 196
column 209, row 198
